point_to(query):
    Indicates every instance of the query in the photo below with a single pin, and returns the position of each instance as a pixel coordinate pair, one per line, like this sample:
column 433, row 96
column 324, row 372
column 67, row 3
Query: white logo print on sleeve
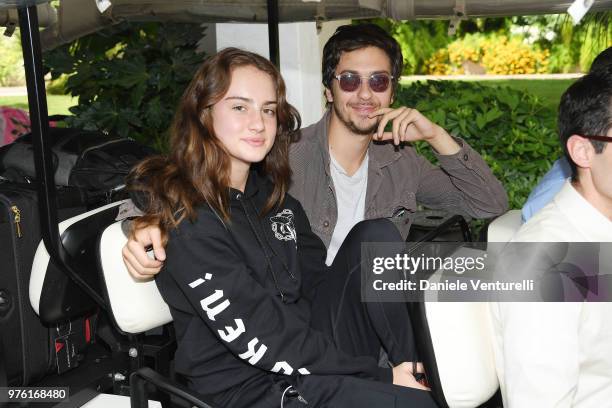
column 254, row 353
column 282, row 226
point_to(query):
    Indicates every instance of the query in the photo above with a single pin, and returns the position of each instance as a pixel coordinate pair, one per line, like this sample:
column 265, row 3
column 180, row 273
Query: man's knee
column 377, row 230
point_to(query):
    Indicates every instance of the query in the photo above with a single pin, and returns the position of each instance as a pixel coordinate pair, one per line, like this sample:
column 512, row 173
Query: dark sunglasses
column 598, row 137
column 350, row 82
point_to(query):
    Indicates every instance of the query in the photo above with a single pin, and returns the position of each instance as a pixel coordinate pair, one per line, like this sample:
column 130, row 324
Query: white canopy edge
column 76, row 18
column 47, row 15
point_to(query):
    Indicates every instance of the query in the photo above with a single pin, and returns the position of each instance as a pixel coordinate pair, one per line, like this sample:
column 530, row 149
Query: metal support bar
column 37, row 101
column 140, row 378
column 273, row 32
column 3, row 373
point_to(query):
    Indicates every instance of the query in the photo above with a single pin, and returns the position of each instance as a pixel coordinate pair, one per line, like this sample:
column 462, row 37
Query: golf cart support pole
column 273, row 42
column 43, row 160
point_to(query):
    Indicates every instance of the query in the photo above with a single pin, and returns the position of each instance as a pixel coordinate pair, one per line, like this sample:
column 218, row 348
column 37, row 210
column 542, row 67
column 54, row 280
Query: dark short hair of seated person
column 602, row 60
column 586, row 110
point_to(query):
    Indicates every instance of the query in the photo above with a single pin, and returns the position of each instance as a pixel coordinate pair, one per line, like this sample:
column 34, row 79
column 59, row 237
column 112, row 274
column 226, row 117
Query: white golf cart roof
column 305, row 10
column 75, row 18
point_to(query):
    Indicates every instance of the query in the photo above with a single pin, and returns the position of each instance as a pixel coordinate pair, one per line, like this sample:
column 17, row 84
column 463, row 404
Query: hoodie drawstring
column 262, row 245
column 280, row 258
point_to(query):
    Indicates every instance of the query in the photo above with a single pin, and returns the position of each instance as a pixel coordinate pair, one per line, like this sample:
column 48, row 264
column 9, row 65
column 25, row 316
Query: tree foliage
column 128, row 78
column 11, row 61
column 492, row 53
column 571, row 48
column 419, row 40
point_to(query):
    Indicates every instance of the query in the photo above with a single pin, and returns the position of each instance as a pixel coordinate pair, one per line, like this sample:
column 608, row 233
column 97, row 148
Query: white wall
column 301, row 69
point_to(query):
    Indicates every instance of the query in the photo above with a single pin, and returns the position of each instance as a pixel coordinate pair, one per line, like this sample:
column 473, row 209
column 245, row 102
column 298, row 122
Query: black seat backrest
column 61, row 299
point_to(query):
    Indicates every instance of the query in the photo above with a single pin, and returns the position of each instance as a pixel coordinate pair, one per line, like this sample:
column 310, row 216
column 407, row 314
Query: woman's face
column 244, row 120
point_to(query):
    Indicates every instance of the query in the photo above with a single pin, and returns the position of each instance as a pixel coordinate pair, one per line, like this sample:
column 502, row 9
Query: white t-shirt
column 350, row 198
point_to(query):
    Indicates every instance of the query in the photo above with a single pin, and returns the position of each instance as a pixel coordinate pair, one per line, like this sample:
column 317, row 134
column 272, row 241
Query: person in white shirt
column 552, row 354
column 554, row 179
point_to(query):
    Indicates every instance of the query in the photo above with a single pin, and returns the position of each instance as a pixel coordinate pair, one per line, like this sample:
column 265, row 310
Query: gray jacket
column 398, row 179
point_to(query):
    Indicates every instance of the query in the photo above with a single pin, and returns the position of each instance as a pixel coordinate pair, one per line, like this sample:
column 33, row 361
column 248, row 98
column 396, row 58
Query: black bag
column 30, row 349
column 91, row 160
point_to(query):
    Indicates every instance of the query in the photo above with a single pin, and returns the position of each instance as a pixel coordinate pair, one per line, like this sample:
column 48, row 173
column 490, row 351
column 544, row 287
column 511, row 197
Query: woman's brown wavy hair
column 197, row 169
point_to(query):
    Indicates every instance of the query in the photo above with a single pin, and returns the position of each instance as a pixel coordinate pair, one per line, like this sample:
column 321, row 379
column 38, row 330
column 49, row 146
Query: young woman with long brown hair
column 241, row 257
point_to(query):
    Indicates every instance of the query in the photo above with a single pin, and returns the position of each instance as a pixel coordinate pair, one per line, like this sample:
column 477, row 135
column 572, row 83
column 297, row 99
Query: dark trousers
column 363, row 328
column 357, row 328
column 335, row 391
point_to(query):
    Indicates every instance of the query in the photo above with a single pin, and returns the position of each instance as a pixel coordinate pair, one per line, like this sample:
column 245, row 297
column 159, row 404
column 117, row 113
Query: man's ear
column 328, row 95
column 580, row 150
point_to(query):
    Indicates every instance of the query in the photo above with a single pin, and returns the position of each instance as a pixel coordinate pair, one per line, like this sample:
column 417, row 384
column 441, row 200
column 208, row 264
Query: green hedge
column 512, row 130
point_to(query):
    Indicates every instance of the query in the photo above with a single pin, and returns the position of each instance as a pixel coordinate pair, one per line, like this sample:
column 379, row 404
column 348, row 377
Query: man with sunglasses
column 553, row 354
column 347, row 168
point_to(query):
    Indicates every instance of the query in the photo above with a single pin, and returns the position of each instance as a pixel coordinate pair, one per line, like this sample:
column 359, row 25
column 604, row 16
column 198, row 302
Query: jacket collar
column 254, row 182
column 322, row 133
column 380, row 154
column 582, row 215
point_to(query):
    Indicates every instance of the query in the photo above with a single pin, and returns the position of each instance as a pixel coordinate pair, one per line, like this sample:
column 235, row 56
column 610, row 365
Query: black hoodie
column 239, row 296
